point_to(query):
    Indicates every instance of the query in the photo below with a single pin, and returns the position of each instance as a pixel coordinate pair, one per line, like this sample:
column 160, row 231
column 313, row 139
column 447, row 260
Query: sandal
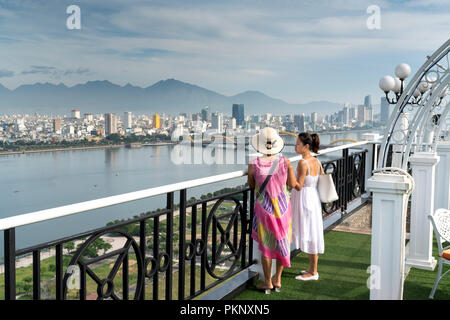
column 277, row 288
column 266, row 289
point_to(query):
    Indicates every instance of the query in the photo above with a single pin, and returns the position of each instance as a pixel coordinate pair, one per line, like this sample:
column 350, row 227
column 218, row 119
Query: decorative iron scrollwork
column 214, row 224
column 108, row 282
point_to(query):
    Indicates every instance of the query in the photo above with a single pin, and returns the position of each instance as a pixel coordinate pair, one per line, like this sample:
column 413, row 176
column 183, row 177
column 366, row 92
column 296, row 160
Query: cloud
column 226, row 46
column 55, row 72
column 79, row 71
column 259, row 72
column 6, row 73
column 40, row 69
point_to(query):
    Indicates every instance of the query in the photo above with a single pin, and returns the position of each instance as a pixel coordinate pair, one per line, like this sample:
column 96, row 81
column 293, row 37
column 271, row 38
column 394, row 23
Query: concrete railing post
column 423, row 165
column 389, row 204
column 442, row 190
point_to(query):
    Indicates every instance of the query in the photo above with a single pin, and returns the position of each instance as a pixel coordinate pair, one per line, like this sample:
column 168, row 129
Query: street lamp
column 396, row 85
column 388, row 83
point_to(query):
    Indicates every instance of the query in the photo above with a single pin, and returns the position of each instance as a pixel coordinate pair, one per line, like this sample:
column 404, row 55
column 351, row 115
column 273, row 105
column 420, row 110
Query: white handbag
column 327, row 190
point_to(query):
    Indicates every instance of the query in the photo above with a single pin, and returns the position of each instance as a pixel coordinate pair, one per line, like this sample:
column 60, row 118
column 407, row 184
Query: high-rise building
column 127, row 120
column 299, row 121
column 314, row 119
column 76, row 113
column 56, row 125
column 353, row 113
column 206, row 115
column 361, row 114
column 369, row 116
column 217, row 121
column 238, row 113
column 110, row 123
column 346, row 114
column 88, row 116
column 368, row 101
column 233, row 123
column 384, row 111
column 156, row 121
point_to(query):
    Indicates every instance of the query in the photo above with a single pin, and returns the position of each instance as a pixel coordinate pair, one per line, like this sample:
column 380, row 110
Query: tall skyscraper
column 206, row 115
column 353, row 113
column 127, row 120
column 110, row 123
column 76, row 113
column 56, row 125
column 346, row 114
column 299, row 121
column 361, row 114
column 156, row 121
column 217, row 121
column 238, row 113
column 233, row 123
column 369, row 116
column 384, row 111
column 88, row 116
column 314, row 119
column 368, row 101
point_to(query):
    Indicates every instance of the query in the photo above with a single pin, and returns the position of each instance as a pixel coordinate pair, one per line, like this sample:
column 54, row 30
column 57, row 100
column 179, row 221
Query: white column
column 389, row 203
column 442, row 190
column 423, row 165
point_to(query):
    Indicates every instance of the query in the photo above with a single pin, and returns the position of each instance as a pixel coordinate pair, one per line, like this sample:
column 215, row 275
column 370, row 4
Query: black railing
column 170, row 259
column 349, row 178
column 224, row 239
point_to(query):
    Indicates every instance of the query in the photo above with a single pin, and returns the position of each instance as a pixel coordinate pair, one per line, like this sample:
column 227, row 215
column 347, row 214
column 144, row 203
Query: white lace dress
column 307, row 224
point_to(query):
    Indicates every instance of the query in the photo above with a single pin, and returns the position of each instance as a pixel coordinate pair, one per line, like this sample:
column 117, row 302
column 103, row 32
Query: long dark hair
column 310, row 139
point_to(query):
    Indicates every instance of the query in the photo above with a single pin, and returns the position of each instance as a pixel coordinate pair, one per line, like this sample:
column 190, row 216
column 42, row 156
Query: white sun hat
column 267, row 141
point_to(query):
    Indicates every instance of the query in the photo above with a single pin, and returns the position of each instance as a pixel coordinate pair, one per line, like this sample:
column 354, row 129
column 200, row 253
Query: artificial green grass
column 343, row 274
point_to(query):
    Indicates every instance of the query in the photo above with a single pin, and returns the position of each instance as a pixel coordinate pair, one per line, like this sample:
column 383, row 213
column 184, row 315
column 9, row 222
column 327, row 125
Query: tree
column 27, row 285
column 114, row 137
column 92, row 250
column 69, row 246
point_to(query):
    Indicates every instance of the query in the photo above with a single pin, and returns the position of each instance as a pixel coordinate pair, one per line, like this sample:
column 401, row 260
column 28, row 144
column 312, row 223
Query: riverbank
column 82, row 148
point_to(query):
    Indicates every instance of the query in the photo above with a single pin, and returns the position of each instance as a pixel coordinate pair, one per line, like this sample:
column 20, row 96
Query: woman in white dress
column 307, row 225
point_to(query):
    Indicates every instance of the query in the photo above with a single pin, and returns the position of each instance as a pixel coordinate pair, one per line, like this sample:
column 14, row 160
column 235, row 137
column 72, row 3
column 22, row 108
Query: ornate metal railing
column 170, row 254
column 223, row 238
column 349, row 178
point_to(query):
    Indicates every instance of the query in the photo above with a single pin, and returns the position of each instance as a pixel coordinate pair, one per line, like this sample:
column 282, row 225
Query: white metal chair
column 440, row 221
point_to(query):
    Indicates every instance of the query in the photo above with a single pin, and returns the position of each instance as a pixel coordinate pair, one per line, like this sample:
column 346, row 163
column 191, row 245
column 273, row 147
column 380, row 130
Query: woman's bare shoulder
column 302, row 164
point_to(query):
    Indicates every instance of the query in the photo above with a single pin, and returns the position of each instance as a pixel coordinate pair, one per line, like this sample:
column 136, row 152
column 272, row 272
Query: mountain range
column 170, row 96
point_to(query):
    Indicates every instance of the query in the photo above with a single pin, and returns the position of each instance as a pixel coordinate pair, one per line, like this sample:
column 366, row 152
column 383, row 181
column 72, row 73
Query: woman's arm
column 320, row 167
column 301, row 173
column 291, row 180
column 250, row 176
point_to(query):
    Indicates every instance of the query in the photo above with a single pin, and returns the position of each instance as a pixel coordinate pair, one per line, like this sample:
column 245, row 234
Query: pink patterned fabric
column 271, row 226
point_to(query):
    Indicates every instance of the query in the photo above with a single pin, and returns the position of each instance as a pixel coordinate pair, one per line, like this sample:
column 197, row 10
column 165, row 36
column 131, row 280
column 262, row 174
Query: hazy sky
column 298, row 51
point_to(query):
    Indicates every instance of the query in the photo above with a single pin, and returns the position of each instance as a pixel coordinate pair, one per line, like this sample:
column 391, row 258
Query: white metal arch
column 414, row 123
